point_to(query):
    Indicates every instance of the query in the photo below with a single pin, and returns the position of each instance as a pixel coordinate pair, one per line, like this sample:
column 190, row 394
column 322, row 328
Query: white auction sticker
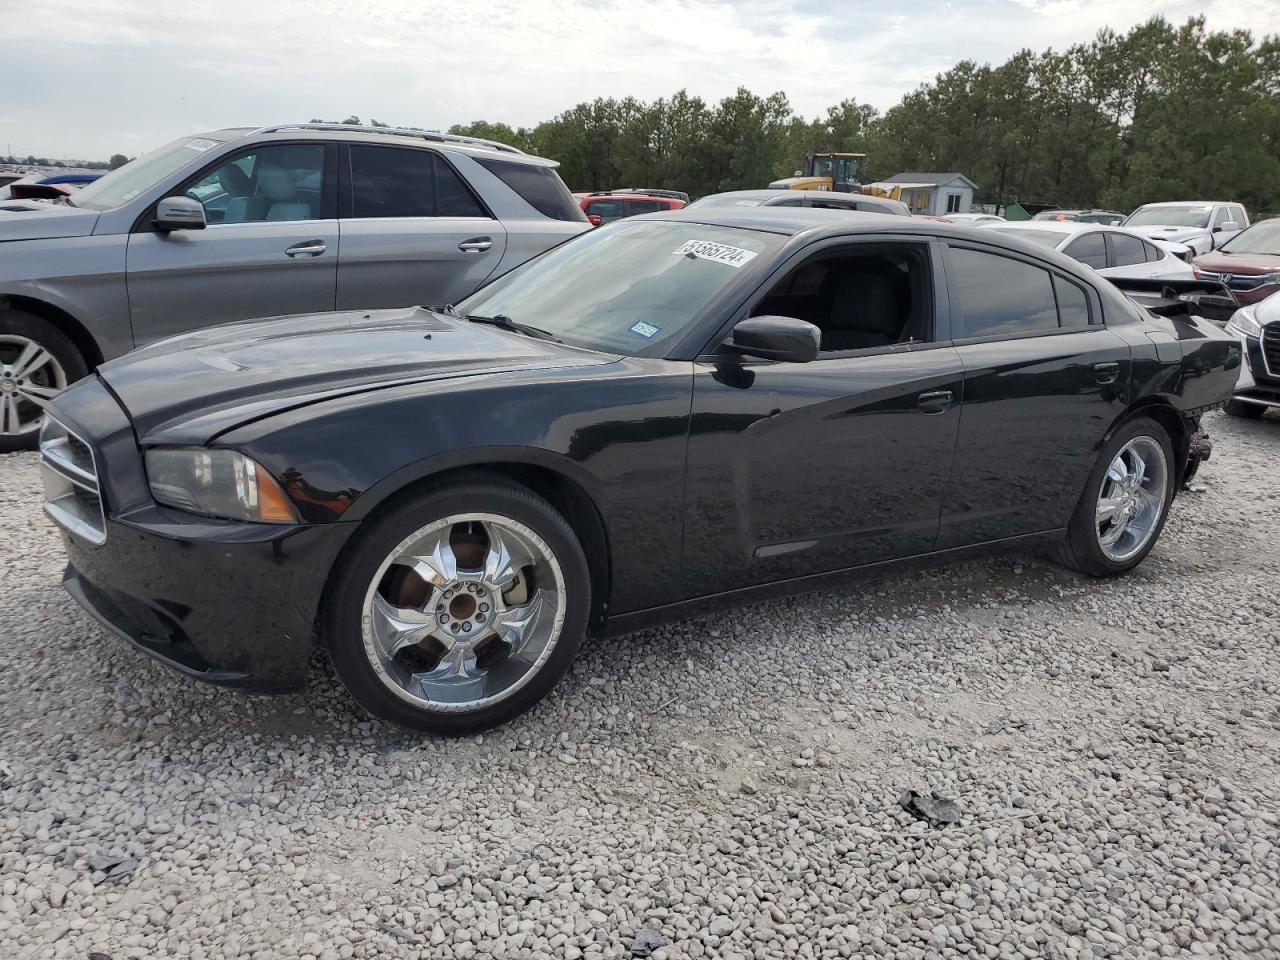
column 201, row 144
column 716, row 252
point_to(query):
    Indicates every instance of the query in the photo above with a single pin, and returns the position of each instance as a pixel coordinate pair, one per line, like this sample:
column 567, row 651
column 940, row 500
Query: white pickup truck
column 1201, row 225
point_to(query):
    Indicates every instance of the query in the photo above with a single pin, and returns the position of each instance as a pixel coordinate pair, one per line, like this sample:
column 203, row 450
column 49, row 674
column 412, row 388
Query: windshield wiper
column 506, row 323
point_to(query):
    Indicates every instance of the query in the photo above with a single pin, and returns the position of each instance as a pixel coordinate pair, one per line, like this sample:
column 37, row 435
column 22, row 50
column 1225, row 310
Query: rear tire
column 1119, row 517
column 459, row 608
column 1244, row 410
column 37, row 361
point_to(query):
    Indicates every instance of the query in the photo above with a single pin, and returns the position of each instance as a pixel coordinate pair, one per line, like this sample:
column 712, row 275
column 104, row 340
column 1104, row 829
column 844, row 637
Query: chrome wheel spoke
column 32, row 358
column 1107, row 507
column 1111, row 536
column 515, row 625
column 434, row 561
column 458, row 663
column 1118, row 473
column 506, row 557
column 395, row 628
column 1137, row 471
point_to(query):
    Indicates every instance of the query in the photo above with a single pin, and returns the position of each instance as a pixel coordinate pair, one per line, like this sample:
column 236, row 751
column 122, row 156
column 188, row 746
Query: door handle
column 1105, row 373
column 475, row 245
column 307, row 248
column 939, row 401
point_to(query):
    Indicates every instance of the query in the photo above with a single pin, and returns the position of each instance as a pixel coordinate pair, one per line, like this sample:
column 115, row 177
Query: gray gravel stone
column 1134, row 815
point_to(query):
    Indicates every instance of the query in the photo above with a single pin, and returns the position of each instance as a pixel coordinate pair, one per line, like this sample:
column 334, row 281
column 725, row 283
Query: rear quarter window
column 539, row 186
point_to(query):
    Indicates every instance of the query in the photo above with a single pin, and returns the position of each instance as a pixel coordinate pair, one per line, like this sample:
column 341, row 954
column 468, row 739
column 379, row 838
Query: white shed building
column 936, row 194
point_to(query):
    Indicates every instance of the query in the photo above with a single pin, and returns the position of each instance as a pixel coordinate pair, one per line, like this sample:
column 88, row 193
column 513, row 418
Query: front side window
column 859, row 298
column 635, row 287
column 1002, row 296
column 1127, row 250
column 1238, row 215
column 279, row 182
column 1090, row 249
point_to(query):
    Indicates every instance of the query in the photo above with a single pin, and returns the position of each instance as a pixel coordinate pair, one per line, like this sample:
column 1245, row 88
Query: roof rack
column 392, row 132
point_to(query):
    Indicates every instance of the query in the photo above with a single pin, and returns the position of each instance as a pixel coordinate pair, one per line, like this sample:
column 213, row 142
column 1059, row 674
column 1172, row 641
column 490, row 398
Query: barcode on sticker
column 716, row 252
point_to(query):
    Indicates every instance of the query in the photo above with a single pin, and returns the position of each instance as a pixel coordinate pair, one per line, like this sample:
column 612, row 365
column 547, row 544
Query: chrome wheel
column 464, row 612
column 1131, row 499
column 29, row 376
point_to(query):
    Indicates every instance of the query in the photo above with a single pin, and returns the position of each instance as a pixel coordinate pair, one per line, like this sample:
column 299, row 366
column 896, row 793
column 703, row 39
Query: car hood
column 35, row 220
column 1248, row 264
column 191, row 388
column 1176, row 234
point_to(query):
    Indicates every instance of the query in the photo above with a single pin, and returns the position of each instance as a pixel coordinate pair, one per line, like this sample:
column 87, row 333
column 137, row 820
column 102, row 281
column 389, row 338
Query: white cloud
column 126, row 75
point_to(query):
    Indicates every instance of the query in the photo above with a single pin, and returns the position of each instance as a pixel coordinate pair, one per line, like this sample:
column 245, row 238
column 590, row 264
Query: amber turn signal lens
column 273, row 505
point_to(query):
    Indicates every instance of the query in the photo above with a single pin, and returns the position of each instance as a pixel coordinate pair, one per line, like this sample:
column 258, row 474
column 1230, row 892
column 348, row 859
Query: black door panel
column 1034, row 415
column 801, row 468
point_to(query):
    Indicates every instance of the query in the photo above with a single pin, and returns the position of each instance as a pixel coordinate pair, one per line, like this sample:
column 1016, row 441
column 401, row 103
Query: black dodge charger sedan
column 669, row 412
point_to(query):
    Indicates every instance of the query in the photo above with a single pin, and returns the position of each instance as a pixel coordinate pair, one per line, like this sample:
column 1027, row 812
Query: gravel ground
column 726, row 786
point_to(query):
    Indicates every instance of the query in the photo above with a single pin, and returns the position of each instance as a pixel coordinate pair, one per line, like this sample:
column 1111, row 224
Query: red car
column 1248, row 263
column 605, row 207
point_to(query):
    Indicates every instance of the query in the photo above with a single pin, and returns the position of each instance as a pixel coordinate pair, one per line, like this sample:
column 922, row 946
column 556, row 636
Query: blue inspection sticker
column 642, row 329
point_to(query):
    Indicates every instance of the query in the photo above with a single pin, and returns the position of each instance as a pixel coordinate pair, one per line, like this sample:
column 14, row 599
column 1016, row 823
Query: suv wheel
column 37, row 361
column 1243, row 409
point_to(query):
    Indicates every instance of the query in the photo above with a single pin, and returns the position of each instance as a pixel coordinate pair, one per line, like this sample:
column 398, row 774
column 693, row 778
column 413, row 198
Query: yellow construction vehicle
column 840, row 172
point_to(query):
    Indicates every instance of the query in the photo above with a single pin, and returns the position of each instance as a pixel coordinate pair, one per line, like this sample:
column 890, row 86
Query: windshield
column 1260, row 238
column 1188, row 215
column 1046, row 238
column 633, row 287
column 121, row 185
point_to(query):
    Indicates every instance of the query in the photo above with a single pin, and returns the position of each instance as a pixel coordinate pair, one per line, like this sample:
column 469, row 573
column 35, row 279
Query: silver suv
column 241, row 223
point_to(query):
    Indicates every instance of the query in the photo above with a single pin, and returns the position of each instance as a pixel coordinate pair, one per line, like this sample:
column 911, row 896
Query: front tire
column 1125, row 502
column 459, row 608
column 1246, row 411
column 37, row 361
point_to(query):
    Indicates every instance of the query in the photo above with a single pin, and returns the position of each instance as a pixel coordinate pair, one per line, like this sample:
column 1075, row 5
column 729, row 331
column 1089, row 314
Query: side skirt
column 619, row 624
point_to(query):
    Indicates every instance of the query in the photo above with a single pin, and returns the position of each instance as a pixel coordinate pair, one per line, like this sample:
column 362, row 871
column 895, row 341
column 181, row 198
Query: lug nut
column 444, row 618
column 466, row 628
column 471, row 588
column 484, row 608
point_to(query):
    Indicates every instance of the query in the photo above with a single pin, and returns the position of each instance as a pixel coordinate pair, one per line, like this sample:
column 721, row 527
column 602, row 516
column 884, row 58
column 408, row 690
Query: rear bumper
column 236, row 608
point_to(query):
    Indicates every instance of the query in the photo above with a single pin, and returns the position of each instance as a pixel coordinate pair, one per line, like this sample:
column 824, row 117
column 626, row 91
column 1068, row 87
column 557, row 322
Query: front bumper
column 228, row 602
column 1256, row 384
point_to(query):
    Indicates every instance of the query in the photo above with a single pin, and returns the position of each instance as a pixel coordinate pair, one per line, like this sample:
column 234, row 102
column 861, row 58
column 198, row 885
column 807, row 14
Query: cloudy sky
column 86, row 80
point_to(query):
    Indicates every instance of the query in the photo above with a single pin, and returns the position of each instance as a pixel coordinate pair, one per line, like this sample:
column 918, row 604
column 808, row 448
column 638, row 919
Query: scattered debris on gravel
column 1115, row 748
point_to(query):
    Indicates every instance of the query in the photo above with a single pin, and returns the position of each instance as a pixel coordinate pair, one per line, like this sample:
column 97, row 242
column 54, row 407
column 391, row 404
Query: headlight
column 216, row 483
column 1243, row 321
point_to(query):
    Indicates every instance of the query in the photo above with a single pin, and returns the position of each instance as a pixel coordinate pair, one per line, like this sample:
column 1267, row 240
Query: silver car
column 241, row 223
column 805, row 198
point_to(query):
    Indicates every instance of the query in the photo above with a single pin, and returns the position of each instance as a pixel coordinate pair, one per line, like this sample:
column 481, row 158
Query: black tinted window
column 540, row 187
column 454, row 197
column 1127, row 250
column 636, row 207
column 391, row 182
column 1089, row 249
column 1073, row 305
column 1002, row 296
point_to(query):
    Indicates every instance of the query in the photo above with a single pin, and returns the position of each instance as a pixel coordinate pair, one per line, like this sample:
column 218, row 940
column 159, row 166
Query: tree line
column 1160, row 112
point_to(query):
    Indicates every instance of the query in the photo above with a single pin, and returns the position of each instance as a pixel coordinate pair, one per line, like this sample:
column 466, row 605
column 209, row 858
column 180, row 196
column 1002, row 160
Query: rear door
column 413, row 232
column 1043, row 381
column 270, row 247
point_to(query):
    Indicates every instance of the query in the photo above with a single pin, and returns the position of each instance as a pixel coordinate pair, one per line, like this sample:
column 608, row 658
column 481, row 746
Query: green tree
column 117, row 160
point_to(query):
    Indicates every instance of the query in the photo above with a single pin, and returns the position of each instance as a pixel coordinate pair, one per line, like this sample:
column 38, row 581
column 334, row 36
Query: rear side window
column 1153, row 252
column 396, row 182
column 540, row 187
column 1073, row 305
column 1127, row 250
column 637, row 207
column 1089, row 249
column 1001, row 296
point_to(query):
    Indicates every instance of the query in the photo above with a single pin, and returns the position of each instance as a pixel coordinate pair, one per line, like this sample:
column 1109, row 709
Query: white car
column 1257, row 327
column 1112, row 251
column 1200, row 224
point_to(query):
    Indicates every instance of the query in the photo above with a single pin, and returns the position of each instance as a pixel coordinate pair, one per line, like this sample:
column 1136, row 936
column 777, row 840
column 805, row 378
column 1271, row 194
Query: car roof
column 607, row 194
column 1185, row 203
column 818, row 222
column 1053, row 226
column 356, row 134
